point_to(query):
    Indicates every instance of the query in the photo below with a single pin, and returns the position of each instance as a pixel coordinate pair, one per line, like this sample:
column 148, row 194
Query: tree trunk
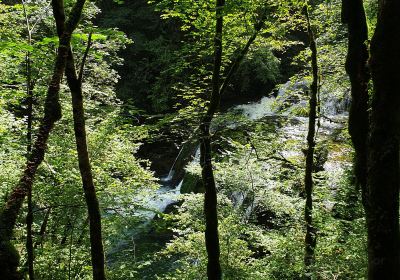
column 43, row 228
column 29, row 119
column 383, row 147
column 29, row 216
column 52, row 113
column 235, row 64
column 210, row 195
column 310, row 238
column 353, row 15
column 75, row 85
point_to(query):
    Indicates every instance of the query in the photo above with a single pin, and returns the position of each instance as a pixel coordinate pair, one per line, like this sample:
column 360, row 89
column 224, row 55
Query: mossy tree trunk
column 74, row 81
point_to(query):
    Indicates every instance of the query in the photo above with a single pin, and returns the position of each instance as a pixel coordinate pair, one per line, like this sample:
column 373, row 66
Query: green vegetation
column 183, row 139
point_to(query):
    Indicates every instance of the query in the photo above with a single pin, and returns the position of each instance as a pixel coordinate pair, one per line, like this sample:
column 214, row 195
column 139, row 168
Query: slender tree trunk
column 75, row 85
column 353, row 15
column 52, row 113
column 29, row 216
column 310, row 238
column 236, row 63
column 29, row 119
column 383, row 147
column 210, row 195
column 43, row 228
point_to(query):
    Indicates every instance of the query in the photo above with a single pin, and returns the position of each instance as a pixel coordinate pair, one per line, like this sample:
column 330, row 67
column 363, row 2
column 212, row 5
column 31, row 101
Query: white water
column 331, row 105
column 171, row 172
column 164, row 196
column 294, row 129
column 267, row 106
column 167, row 194
column 257, row 110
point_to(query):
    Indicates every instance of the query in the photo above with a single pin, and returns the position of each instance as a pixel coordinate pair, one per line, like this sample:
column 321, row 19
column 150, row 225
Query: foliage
column 156, row 58
column 260, row 209
column 60, row 219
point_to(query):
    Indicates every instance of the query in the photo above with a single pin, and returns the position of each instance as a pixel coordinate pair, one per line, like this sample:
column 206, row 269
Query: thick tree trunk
column 75, row 85
column 29, row 239
column 310, row 238
column 210, row 195
column 52, row 113
column 353, row 15
column 383, row 147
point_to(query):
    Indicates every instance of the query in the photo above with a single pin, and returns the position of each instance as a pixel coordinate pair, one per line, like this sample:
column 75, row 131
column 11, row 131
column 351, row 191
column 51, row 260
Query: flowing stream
column 268, row 108
column 333, row 110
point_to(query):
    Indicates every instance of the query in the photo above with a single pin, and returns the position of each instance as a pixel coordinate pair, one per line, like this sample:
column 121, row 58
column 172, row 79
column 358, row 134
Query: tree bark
column 353, row 15
column 210, row 195
column 75, row 85
column 383, row 146
column 43, row 228
column 29, row 216
column 52, row 113
column 310, row 238
column 29, row 120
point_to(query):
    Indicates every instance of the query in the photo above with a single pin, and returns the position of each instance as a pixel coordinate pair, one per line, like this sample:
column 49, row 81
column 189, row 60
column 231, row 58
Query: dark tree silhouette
column 210, row 196
column 383, row 147
column 310, row 238
column 353, row 15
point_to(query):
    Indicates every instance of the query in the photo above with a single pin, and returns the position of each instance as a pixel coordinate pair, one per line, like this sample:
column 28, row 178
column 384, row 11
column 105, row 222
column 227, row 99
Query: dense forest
column 196, row 139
